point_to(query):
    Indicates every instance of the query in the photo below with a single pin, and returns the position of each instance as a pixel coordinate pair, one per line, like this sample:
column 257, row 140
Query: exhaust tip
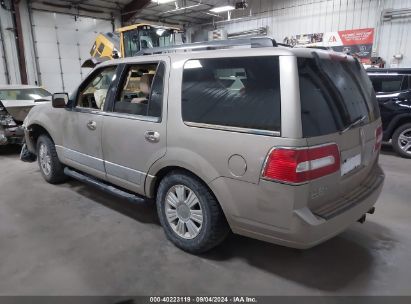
column 362, row 219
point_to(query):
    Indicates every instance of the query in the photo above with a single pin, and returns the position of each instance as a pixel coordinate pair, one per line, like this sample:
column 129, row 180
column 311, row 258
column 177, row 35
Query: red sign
column 360, row 36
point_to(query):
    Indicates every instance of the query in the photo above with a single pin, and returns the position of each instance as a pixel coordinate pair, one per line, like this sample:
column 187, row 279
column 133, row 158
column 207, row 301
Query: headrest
column 145, row 83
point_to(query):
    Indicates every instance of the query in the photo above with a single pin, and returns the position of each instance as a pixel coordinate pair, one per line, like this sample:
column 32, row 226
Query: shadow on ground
column 328, row 267
column 387, row 149
column 10, row 150
column 145, row 212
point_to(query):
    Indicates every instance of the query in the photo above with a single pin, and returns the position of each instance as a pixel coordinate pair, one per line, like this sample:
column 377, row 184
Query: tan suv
column 274, row 143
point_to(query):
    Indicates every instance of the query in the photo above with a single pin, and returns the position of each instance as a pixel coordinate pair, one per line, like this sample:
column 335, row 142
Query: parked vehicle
column 278, row 144
column 130, row 40
column 393, row 89
column 15, row 102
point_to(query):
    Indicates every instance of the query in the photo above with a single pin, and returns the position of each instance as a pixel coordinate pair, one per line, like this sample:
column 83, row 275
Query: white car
column 15, row 103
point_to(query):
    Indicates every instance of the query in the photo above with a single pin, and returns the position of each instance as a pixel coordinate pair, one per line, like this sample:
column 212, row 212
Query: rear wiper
column 354, row 123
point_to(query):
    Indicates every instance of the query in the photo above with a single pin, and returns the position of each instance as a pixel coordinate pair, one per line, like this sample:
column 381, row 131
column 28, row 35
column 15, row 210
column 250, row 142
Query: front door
column 134, row 132
column 84, row 124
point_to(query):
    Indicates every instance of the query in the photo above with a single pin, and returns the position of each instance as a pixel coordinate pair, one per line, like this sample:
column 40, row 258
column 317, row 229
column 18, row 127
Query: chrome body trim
column 127, row 174
column 233, row 129
column 117, row 114
column 119, row 171
column 84, row 159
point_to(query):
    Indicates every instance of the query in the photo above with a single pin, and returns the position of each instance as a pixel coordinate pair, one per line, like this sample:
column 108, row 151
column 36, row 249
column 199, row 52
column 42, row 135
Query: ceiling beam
column 131, row 8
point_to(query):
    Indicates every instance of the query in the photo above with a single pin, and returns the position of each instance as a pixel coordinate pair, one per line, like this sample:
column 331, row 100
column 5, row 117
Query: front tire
column 189, row 213
column 50, row 166
column 401, row 140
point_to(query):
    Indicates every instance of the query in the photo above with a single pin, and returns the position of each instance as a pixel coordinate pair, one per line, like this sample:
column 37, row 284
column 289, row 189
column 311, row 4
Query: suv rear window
column 387, row 84
column 237, row 92
column 334, row 93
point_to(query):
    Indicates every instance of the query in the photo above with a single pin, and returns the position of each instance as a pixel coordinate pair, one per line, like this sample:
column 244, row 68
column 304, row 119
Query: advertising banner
column 356, row 42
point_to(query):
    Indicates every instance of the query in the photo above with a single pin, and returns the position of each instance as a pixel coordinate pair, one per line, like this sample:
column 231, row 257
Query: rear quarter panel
column 208, row 153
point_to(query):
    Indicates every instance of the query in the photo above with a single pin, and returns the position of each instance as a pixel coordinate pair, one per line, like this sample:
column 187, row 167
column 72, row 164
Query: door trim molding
column 124, row 173
column 129, row 175
column 83, row 159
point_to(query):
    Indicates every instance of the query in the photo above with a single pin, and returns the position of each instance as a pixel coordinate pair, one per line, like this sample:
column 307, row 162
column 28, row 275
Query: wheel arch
column 154, row 182
column 35, row 130
column 396, row 123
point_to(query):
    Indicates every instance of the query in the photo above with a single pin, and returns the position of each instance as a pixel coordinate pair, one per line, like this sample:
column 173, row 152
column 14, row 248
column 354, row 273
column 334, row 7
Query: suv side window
column 141, row 90
column 93, row 94
column 387, row 84
column 241, row 92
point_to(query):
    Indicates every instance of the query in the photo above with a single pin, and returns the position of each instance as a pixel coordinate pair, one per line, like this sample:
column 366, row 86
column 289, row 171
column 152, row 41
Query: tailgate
column 338, row 105
column 358, row 160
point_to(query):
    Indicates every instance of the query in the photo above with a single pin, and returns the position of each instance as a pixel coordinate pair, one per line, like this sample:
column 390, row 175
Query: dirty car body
column 286, row 141
column 15, row 103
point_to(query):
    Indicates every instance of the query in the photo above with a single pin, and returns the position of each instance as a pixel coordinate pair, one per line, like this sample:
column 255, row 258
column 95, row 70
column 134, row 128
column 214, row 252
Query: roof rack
column 257, row 42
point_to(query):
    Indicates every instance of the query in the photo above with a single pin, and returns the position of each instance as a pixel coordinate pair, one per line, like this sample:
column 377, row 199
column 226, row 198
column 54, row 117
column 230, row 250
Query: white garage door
column 63, row 43
column 3, row 71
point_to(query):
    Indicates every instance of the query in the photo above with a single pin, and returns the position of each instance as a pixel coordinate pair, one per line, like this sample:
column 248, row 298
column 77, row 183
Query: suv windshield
column 24, row 94
column 336, row 93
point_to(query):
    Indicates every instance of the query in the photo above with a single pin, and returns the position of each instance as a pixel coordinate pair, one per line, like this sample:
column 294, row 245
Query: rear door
column 134, row 133
column 339, row 106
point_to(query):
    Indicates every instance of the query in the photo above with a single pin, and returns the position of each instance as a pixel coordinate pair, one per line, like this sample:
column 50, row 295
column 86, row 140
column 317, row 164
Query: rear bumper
column 304, row 228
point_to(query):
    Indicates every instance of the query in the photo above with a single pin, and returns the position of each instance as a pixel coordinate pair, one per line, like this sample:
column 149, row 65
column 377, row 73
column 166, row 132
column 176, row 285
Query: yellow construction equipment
column 129, row 40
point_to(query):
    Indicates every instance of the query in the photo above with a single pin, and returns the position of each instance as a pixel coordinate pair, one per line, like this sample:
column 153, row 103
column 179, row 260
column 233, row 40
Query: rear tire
column 190, row 215
column 401, row 140
column 50, row 166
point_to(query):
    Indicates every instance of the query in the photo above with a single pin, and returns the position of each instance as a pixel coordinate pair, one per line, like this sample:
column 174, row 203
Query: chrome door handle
column 152, row 136
column 92, row 125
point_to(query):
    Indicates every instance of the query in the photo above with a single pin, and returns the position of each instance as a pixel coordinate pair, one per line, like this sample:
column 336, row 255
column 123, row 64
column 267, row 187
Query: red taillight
column 378, row 139
column 301, row 165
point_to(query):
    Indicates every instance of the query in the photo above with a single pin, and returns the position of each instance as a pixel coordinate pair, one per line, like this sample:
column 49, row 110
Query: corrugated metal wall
column 10, row 51
column 4, row 77
column 286, row 18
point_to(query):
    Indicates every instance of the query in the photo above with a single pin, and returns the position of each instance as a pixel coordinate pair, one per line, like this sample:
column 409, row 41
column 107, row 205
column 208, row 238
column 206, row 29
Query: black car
column 393, row 89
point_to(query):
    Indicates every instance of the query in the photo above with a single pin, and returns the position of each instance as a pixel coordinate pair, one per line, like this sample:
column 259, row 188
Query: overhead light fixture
column 181, row 8
column 220, row 9
column 162, row 1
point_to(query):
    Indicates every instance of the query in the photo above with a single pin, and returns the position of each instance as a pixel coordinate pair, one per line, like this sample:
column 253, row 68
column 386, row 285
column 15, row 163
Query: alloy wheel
column 183, row 211
column 45, row 159
column 404, row 141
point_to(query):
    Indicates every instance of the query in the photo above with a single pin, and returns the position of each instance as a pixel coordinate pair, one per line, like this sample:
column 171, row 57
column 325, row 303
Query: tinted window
column 142, row 90
column 387, row 84
column 334, row 93
column 24, row 94
column 237, row 92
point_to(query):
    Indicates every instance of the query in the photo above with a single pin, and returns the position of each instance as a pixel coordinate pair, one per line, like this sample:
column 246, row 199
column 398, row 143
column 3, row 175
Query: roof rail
column 257, row 42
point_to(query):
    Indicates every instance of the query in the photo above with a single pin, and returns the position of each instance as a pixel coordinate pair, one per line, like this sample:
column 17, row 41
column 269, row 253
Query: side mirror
column 60, row 100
